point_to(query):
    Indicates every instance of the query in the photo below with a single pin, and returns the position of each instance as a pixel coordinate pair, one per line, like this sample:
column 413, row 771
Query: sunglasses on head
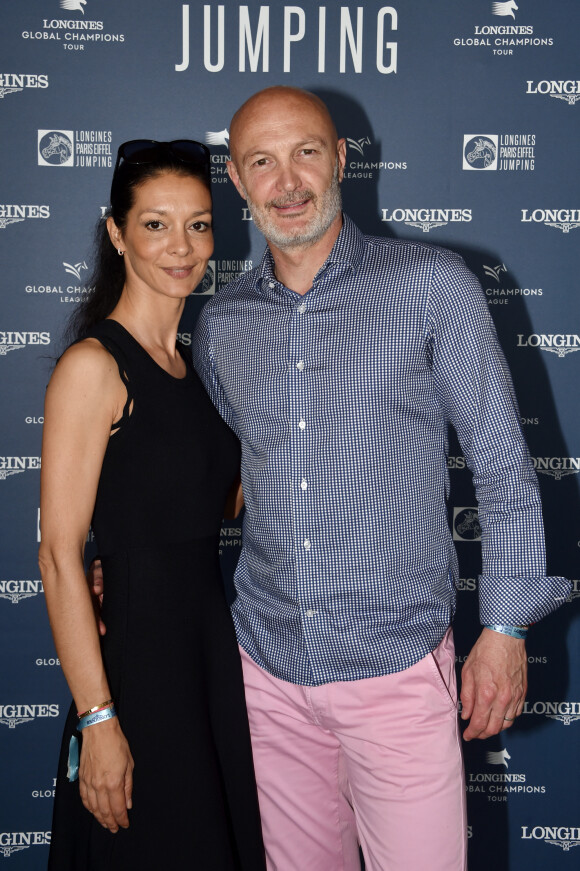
column 142, row 151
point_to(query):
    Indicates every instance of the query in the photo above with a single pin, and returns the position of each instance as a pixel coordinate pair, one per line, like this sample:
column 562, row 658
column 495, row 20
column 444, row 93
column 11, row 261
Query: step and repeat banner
column 462, row 125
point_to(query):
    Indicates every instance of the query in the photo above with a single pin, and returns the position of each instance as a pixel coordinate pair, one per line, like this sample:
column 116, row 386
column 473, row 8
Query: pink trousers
column 375, row 761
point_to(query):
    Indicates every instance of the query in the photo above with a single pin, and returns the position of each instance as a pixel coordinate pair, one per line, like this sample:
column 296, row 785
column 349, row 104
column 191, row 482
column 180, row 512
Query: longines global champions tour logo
column 72, row 33
column 505, row 38
column 497, row 785
column 218, row 162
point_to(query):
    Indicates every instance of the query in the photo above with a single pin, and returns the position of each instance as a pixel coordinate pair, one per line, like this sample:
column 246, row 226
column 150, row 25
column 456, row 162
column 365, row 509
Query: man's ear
column 341, row 154
column 233, row 174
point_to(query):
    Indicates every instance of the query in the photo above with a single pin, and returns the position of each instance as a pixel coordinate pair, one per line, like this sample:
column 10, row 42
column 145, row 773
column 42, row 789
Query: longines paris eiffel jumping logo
column 480, row 151
column 506, row 152
column 55, row 148
column 85, row 148
column 466, row 525
column 206, row 287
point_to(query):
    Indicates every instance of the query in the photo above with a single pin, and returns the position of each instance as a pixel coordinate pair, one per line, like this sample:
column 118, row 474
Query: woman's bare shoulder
column 85, row 364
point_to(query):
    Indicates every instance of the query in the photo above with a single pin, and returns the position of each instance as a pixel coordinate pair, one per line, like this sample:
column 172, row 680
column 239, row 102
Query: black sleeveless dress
column 170, row 650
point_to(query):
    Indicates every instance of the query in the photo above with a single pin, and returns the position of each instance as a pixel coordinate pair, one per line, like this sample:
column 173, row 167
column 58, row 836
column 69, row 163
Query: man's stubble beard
column 327, row 205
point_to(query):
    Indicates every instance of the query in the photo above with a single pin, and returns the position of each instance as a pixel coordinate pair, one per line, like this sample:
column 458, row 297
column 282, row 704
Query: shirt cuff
column 520, row 601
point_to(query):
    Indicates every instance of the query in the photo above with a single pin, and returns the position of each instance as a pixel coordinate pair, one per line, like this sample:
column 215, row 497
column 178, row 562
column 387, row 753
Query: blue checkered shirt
column 342, row 399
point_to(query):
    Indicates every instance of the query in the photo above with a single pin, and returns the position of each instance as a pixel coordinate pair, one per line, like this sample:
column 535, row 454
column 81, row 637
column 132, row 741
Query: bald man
column 340, row 361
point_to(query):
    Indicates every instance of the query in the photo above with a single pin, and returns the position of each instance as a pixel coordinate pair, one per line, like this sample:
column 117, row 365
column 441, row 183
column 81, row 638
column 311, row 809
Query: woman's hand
column 106, row 774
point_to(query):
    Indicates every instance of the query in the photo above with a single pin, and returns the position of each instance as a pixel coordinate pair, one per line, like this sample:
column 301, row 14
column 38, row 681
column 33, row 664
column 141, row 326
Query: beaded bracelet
column 98, row 717
column 105, row 704
column 513, row 631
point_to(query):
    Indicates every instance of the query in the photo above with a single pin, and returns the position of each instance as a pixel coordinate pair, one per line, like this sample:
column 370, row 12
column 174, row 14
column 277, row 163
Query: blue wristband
column 98, row 717
column 513, row 631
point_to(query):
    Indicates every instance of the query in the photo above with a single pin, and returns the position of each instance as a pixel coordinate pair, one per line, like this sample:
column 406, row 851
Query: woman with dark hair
column 155, row 768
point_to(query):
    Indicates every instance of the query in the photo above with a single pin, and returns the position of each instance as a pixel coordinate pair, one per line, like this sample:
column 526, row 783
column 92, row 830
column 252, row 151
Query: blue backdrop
column 461, row 119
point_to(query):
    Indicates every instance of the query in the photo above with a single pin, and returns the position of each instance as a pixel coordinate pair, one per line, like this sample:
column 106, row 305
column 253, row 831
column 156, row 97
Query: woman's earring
column 120, row 252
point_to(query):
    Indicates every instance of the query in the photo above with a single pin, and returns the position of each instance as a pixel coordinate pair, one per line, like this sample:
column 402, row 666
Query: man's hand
column 493, row 684
column 96, row 586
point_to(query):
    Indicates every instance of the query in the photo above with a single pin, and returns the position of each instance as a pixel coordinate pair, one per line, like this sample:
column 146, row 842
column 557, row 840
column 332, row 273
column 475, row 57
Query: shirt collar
column 347, row 251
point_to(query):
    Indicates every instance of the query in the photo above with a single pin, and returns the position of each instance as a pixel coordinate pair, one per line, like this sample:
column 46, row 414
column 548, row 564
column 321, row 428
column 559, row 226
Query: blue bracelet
column 513, row 631
column 98, row 717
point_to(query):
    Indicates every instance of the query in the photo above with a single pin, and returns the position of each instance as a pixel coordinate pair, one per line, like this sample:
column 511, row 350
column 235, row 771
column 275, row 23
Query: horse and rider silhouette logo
column 56, row 148
column 480, row 151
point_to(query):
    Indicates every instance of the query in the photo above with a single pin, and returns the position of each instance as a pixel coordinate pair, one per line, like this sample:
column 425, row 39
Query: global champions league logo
column 363, row 168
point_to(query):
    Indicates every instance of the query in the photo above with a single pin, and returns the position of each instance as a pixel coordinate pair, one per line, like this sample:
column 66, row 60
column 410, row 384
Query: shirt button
column 304, row 484
column 307, row 544
column 300, row 365
column 302, row 423
column 310, row 613
column 271, row 284
column 302, row 308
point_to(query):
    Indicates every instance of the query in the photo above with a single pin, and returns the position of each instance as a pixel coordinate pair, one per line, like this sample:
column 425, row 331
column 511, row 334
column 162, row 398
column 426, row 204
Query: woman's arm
column 84, row 397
